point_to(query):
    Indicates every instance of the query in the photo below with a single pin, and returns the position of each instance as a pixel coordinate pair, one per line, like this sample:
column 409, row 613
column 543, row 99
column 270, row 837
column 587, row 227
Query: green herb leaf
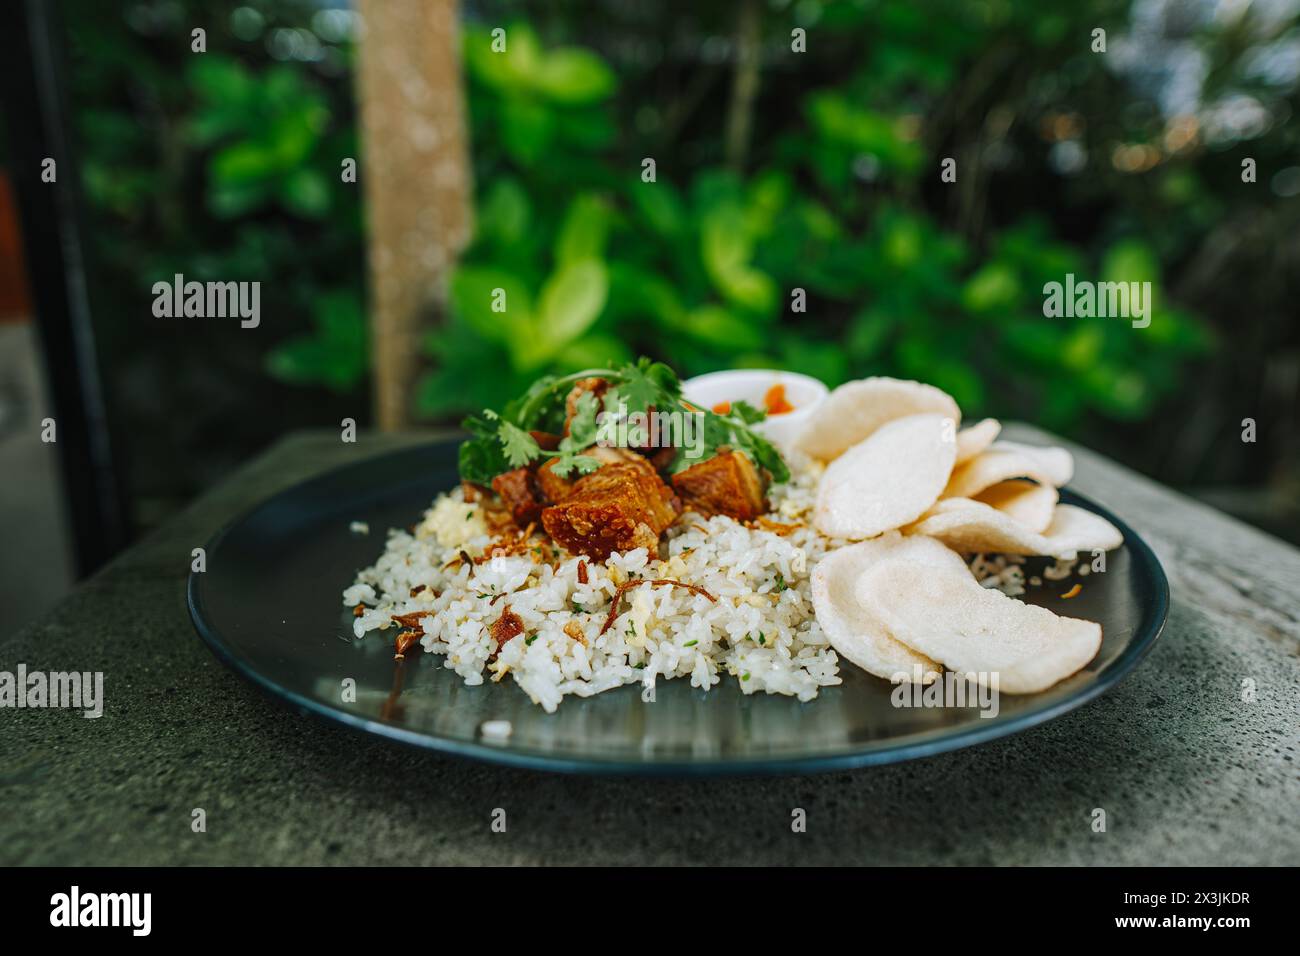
column 502, row 442
column 517, row 445
column 647, row 384
column 481, row 458
column 566, row 464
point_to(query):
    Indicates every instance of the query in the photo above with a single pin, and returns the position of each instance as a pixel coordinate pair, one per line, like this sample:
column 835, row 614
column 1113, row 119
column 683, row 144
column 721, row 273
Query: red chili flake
column 776, row 402
column 582, row 572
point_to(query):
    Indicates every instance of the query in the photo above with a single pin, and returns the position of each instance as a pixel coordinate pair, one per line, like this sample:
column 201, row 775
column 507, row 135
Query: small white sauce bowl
column 804, row 392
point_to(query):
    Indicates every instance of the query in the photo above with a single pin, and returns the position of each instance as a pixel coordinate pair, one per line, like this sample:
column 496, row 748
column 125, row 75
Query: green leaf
column 505, row 213
column 647, row 384
column 334, row 354
column 595, row 349
column 660, row 205
column 726, row 247
column 517, row 445
column 732, row 430
column 567, row 463
column 231, row 200
column 640, row 293
column 474, row 290
column 993, row 287
column 243, row 162
column 574, row 77
column 747, row 413
column 719, row 327
column 582, row 434
column 584, row 230
column 821, row 360
column 480, row 459
column 570, row 300
column 527, row 129
column 582, row 427
column 307, row 193
column 511, row 70
column 869, row 333
column 1130, row 261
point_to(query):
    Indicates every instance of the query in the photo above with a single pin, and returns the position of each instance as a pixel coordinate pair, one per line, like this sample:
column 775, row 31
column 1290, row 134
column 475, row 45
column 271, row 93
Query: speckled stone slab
column 1188, row 767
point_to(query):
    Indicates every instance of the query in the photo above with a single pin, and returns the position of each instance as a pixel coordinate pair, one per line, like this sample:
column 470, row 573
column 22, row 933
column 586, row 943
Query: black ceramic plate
column 269, row 606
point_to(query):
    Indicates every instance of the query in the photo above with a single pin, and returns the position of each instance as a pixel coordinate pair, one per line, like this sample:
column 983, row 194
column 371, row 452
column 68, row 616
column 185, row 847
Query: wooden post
column 418, row 185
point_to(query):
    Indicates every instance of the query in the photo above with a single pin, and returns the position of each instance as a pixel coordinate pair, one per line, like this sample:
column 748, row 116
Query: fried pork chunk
column 555, row 488
column 519, row 490
column 726, row 484
column 619, row 507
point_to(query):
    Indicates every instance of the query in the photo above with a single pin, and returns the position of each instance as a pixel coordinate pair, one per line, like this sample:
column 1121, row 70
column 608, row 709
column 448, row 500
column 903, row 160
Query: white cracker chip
column 886, row 481
column 853, row 632
column 973, row 440
column 971, row 527
column 852, row 412
column 1003, row 460
column 974, row 630
column 1030, row 504
column 1075, row 530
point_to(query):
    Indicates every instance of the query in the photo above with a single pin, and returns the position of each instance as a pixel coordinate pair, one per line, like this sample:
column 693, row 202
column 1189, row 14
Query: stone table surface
column 1187, row 770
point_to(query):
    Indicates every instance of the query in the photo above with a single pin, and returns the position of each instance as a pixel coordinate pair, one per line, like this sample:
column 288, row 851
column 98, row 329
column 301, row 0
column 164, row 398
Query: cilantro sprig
column 502, row 442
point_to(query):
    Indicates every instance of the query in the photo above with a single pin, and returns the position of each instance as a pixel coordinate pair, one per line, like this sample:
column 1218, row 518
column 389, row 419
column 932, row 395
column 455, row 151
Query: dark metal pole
column 35, row 107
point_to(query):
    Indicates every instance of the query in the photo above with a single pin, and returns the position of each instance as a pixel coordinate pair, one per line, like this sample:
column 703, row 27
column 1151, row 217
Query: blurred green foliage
column 225, row 165
column 220, row 166
column 259, row 142
column 700, row 266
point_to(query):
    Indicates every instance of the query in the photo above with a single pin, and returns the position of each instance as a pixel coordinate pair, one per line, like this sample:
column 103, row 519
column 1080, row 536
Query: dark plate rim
column 503, row 754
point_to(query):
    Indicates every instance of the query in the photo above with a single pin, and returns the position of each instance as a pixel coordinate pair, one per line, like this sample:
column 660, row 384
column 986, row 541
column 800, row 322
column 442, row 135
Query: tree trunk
column 418, row 186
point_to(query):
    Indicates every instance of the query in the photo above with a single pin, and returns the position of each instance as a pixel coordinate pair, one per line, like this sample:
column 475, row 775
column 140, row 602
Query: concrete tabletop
column 1189, row 769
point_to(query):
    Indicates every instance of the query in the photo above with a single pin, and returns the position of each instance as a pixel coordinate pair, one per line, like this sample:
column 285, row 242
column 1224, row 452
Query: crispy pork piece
column 598, row 386
column 660, row 458
column 555, row 488
column 616, row 508
column 547, row 441
column 518, row 489
column 727, row 484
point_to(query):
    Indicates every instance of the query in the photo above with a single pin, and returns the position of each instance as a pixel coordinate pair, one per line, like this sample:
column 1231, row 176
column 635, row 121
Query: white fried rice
column 761, row 631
